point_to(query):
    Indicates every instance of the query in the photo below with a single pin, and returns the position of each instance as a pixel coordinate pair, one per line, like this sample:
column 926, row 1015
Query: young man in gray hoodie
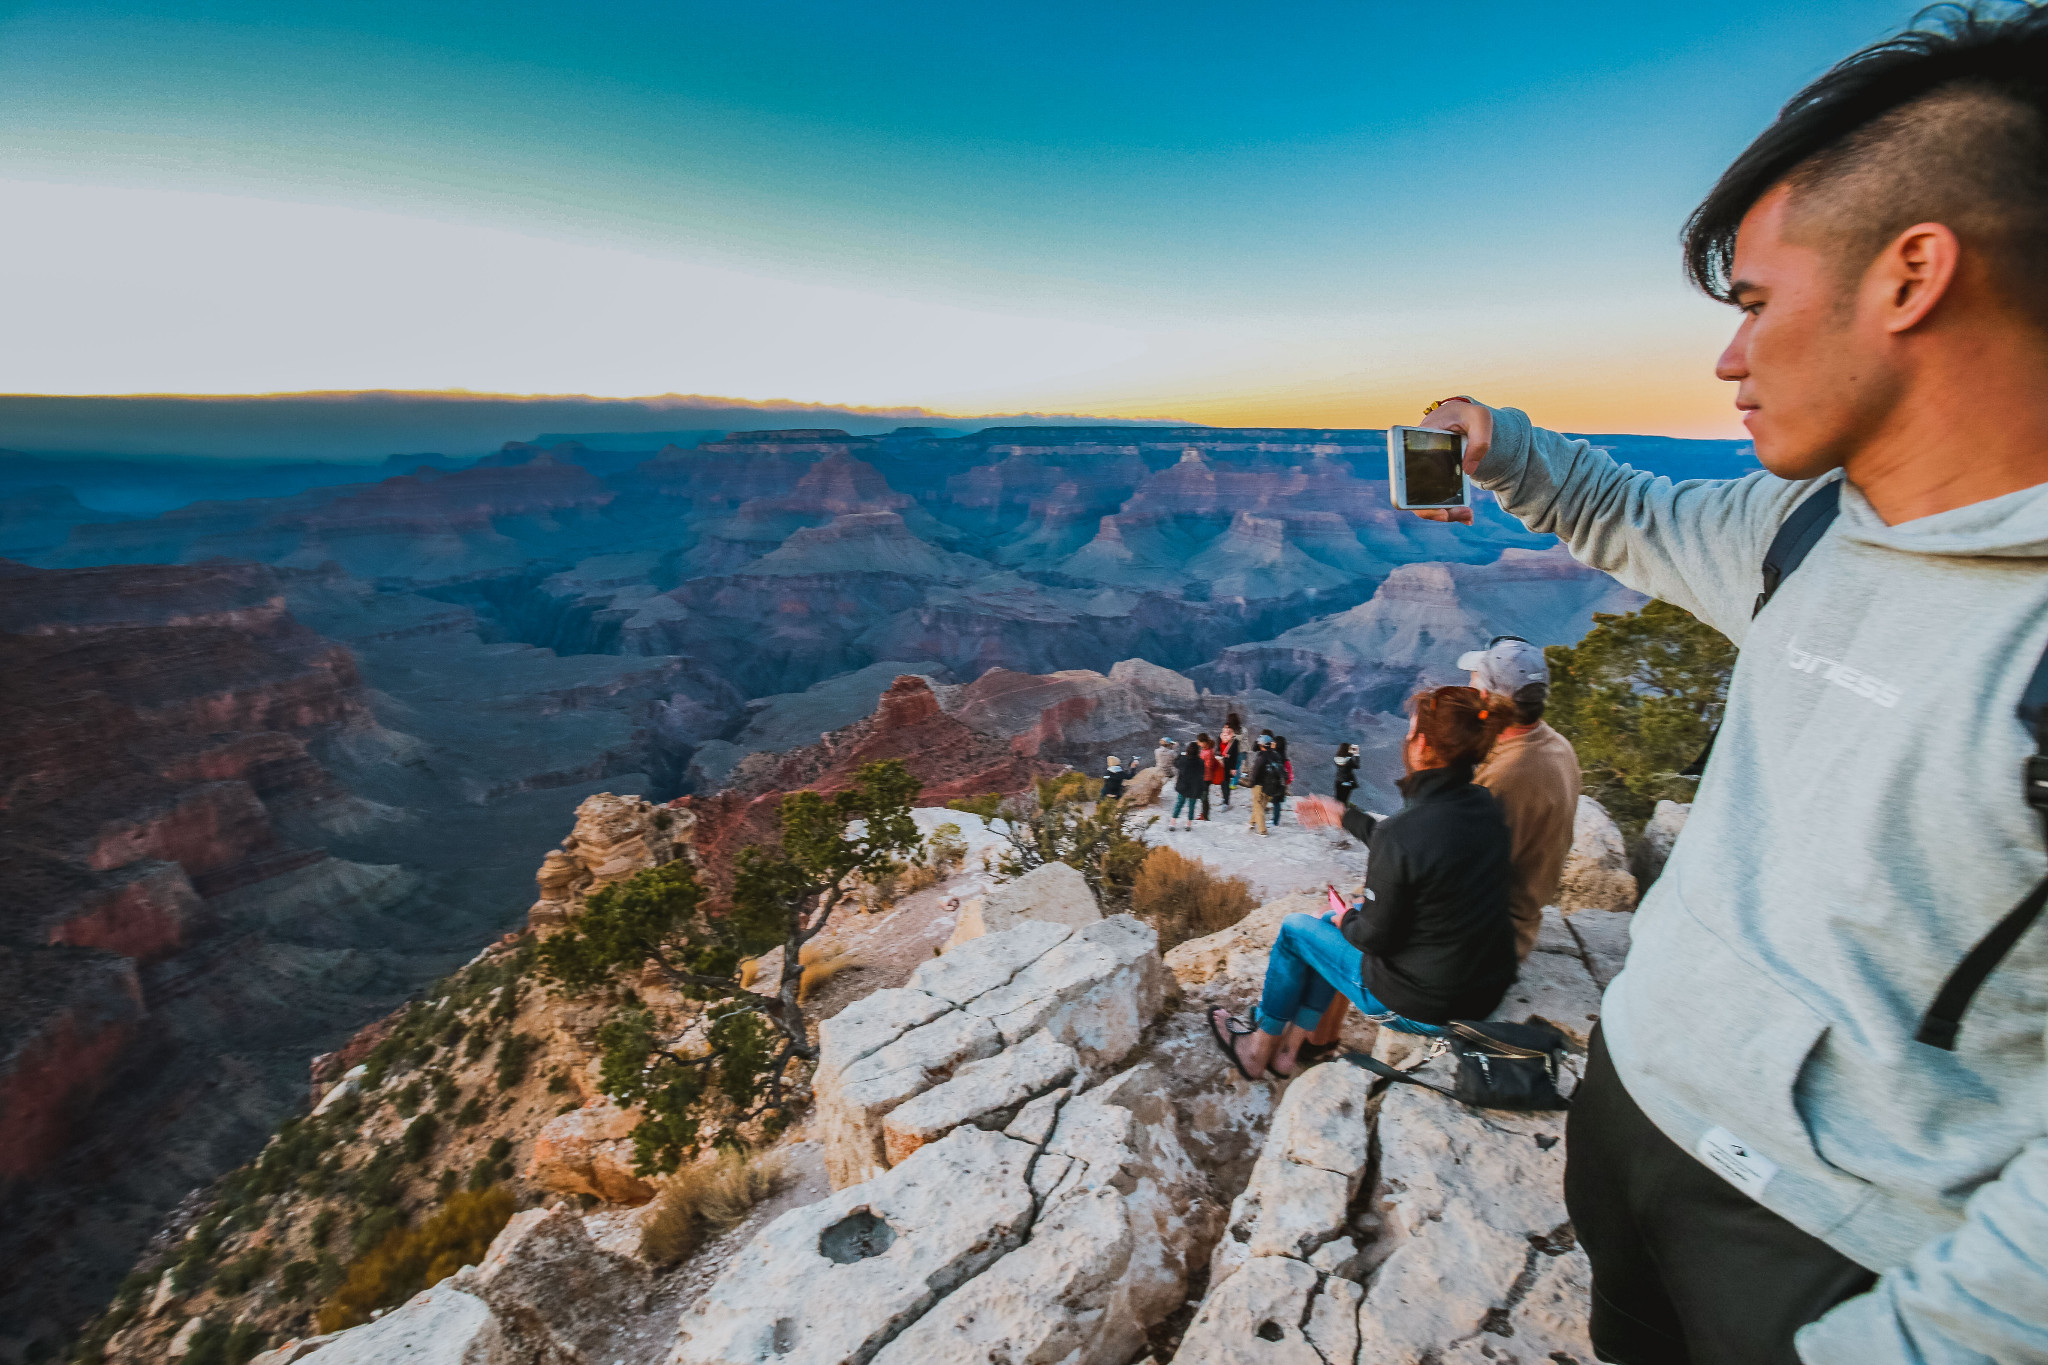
column 1765, row 1163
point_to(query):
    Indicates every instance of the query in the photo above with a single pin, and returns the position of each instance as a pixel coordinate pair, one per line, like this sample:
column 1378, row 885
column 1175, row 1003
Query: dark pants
column 1687, row 1270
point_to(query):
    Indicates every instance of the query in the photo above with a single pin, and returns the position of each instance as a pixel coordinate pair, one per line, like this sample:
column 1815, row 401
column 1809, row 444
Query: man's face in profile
column 1809, row 380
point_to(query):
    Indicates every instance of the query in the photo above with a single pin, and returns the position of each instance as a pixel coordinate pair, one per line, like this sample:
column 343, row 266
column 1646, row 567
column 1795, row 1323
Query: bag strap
column 1796, row 537
column 1945, row 1016
column 1392, row 1073
column 1797, row 534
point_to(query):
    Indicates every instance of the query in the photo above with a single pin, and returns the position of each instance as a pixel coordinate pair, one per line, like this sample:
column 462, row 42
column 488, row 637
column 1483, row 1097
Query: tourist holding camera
column 1813, row 1123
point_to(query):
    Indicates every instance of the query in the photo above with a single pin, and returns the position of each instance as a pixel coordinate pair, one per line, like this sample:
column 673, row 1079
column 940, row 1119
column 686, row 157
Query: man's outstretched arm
column 1698, row 544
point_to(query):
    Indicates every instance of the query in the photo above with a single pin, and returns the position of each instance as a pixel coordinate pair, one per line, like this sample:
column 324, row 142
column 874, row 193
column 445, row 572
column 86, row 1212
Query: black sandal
column 1310, row 1054
column 1226, row 1033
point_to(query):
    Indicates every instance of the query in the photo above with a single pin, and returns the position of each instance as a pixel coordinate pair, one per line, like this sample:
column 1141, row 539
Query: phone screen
column 1434, row 472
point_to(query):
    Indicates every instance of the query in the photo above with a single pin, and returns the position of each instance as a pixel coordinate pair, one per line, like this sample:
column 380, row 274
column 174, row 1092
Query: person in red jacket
column 1218, row 775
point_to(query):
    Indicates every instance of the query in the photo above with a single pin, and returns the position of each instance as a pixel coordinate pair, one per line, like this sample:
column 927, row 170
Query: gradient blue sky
column 1306, row 213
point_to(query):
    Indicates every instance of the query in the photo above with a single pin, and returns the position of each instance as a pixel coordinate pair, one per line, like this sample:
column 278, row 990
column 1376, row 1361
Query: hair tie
column 1482, row 715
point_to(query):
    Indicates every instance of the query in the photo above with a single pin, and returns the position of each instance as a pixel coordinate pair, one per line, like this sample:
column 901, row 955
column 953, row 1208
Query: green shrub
column 408, row 1260
column 323, row 1227
column 446, row 1091
column 500, row 1148
column 245, row 1270
column 194, row 1266
column 408, row 1099
column 472, row 1112
column 513, row 1055
column 377, row 1183
column 374, row 1227
column 558, row 1082
column 419, row 1138
column 296, row 1277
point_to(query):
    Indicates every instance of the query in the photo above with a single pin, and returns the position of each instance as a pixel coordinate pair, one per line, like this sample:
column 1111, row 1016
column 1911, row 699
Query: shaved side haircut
column 1943, row 124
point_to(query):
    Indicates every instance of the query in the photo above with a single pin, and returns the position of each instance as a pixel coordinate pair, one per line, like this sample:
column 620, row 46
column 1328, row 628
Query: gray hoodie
column 1860, row 827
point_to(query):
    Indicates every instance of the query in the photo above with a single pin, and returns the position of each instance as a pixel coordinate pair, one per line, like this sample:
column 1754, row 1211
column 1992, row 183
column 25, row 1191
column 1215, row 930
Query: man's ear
column 1913, row 274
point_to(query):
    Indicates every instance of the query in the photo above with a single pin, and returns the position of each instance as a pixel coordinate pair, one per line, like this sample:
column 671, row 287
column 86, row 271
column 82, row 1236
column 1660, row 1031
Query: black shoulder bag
column 1798, row 534
column 1500, row 1066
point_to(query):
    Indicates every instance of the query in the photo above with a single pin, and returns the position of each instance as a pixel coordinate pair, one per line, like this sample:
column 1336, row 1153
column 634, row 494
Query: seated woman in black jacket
column 1433, row 941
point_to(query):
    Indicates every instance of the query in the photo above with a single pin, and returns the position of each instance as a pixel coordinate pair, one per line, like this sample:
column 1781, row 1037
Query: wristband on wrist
column 1454, row 398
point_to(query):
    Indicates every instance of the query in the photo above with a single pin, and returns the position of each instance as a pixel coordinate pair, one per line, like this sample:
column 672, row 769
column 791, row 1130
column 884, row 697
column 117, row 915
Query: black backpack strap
column 1392, row 1073
column 1797, row 534
column 1938, row 1026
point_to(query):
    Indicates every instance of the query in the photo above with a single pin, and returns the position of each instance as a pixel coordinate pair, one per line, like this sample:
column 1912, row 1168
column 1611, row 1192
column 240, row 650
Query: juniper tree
column 751, row 1046
column 1637, row 697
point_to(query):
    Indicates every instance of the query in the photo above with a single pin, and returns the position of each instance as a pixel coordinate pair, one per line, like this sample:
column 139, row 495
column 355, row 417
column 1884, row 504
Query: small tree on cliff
column 745, row 1046
column 1637, row 697
column 1061, row 821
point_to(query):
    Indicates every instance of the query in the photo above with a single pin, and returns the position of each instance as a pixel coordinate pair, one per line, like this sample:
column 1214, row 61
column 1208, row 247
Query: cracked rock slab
column 853, row 1103
column 1059, row 1297
column 1257, row 1317
column 986, row 1094
column 835, row 1282
column 1555, row 987
column 1096, row 992
column 1051, row 893
column 1473, row 1234
column 1302, row 1185
column 975, row 968
column 1603, row 937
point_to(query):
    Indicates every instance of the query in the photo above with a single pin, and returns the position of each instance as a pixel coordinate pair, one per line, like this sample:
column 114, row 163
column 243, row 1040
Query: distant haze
column 370, row 426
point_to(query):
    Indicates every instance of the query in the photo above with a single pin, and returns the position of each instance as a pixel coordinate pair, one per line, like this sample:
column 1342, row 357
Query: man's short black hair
column 1946, row 122
column 1530, row 699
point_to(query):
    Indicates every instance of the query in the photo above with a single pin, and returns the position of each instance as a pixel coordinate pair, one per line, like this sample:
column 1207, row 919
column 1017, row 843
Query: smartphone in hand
column 1426, row 469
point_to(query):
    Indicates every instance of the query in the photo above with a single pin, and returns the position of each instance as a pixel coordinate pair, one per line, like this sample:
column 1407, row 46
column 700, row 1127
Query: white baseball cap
column 1507, row 665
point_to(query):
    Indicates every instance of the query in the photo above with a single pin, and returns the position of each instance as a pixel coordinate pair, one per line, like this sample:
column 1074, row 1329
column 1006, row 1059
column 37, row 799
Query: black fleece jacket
column 1439, row 943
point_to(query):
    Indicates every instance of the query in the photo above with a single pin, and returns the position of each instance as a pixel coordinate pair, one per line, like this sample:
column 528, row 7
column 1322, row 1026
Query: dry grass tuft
column 750, row 968
column 704, row 1199
column 822, row 959
column 1182, row 899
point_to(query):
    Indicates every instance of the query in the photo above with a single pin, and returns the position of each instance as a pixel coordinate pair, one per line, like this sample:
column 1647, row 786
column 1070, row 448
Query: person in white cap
column 1532, row 772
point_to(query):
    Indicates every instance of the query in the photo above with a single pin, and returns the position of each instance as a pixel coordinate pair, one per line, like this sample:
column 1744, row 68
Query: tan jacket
column 1535, row 777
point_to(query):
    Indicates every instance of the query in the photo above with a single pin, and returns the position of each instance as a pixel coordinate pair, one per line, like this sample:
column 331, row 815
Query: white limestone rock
column 986, row 1093
column 840, row 1279
column 871, row 1023
column 1229, row 966
column 978, row 966
column 1660, row 835
column 1473, row 1232
column 1155, row 681
column 1053, row 892
column 1603, row 939
column 438, row 1326
column 1255, row 1318
column 1052, row 1299
column 853, row 1103
column 1305, row 1177
column 1097, row 992
column 1555, row 987
column 1596, row 875
column 552, row 1291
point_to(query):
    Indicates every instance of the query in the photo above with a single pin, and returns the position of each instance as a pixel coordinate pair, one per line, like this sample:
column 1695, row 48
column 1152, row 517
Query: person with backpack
column 1432, row 941
column 1279, row 799
column 1347, row 773
column 1812, row 1125
column 1230, row 743
column 1268, row 780
column 1190, row 786
column 1113, row 780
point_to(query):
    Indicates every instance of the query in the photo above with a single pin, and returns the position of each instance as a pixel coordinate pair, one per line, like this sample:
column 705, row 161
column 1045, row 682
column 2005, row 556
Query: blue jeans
column 1310, row 962
column 1190, row 804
